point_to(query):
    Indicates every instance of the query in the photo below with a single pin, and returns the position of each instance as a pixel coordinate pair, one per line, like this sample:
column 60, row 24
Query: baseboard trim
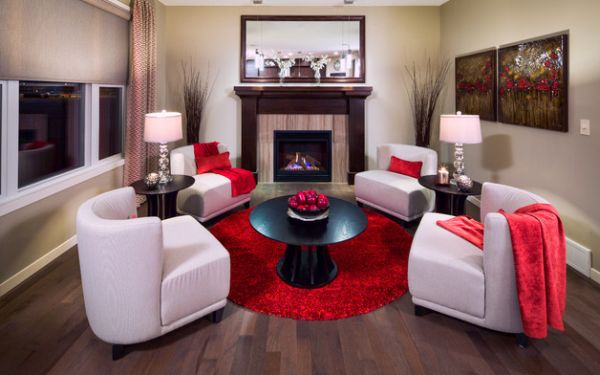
column 37, row 265
column 579, row 257
column 595, row 275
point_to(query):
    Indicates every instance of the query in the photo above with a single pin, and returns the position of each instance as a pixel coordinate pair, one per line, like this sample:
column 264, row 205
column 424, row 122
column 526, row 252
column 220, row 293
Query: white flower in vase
column 317, row 64
column 284, row 66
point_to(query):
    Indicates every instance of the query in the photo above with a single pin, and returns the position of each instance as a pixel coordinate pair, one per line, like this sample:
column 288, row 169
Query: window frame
column 95, row 111
column 11, row 196
column 3, row 136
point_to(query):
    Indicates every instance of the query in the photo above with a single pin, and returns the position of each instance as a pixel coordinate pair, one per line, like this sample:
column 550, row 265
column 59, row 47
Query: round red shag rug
column 372, row 271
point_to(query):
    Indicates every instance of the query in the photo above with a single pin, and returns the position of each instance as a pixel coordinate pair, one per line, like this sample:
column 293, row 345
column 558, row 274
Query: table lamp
column 460, row 129
column 163, row 127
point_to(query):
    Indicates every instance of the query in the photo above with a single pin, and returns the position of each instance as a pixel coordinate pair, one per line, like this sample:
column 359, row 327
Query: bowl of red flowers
column 308, row 205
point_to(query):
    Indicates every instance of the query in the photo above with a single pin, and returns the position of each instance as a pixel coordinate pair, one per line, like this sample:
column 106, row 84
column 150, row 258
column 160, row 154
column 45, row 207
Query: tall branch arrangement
column 423, row 92
column 197, row 88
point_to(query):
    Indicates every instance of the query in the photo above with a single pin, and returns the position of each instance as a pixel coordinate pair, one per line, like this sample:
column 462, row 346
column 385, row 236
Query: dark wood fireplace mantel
column 336, row 100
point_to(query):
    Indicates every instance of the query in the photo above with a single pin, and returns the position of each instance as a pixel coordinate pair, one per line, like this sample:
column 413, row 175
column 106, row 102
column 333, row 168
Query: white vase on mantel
column 281, row 76
column 318, row 77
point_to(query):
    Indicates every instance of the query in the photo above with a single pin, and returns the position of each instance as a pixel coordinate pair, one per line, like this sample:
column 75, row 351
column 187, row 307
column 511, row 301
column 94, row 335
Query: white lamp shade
column 460, row 128
column 162, row 127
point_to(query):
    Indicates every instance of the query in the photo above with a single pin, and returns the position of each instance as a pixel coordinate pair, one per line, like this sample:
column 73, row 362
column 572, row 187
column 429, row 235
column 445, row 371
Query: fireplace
column 305, row 100
column 302, row 155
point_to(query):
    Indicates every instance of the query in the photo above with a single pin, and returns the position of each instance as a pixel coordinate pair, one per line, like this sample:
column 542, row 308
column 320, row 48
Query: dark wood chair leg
column 118, row 352
column 217, row 315
column 522, row 340
column 247, row 205
column 359, row 204
column 420, row 310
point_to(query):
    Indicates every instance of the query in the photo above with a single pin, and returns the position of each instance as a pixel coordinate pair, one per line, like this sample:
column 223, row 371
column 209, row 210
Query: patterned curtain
column 141, row 90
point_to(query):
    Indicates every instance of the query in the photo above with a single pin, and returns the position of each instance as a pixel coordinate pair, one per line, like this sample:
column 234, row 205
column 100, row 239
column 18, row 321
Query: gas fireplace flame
column 301, row 162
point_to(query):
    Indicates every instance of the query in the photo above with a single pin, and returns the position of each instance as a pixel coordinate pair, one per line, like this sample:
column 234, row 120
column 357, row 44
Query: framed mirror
column 303, row 49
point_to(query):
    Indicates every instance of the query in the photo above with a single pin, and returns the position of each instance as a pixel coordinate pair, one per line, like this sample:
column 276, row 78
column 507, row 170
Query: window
column 51, row 130
column 110, row 121
column 54, row 135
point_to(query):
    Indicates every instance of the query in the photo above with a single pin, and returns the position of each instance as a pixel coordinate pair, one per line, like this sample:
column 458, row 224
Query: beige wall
column 86, row 44
column 32, row 231
column 395, row 36
column 561, row 167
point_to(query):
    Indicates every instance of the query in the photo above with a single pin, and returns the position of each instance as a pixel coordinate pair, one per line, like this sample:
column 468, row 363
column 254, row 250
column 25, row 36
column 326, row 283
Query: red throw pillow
column 208, row 163
column 405, row 167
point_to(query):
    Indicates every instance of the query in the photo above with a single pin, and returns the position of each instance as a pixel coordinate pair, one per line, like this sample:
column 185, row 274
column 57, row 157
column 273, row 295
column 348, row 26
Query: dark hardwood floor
column 43, row 329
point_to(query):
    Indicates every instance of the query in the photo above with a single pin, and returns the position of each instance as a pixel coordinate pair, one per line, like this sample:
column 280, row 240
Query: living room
column 131, row 55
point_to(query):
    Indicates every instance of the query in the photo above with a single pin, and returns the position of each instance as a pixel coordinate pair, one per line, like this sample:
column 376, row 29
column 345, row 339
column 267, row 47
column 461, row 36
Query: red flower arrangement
column 308, row 202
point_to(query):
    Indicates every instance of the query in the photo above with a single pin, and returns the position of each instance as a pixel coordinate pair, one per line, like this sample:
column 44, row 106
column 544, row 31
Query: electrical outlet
column 584, row 127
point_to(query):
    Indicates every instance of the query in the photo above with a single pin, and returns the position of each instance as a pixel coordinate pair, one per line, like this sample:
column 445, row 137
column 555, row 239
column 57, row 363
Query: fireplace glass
column 302, row 156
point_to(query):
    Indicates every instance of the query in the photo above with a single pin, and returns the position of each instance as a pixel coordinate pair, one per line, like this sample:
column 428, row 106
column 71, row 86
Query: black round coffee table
column 306, row 262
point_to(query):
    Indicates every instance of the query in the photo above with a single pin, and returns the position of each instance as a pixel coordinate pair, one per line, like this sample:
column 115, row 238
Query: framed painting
column 533, row 83
column 476, row 84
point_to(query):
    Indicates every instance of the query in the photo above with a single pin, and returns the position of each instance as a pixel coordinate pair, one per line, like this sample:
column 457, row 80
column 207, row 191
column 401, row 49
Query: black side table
column 162, row 201
column 448, row 199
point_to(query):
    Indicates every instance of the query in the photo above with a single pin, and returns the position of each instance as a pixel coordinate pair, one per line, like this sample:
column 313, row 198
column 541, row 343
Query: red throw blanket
column 466, row 228
column 539, row 250
column 538, row 242
column 242, row 181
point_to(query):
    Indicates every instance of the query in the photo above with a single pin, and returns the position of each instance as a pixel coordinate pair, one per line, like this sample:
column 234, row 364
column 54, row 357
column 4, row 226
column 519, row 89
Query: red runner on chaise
column 466, row 228
column 242, row 181
column 372, row 271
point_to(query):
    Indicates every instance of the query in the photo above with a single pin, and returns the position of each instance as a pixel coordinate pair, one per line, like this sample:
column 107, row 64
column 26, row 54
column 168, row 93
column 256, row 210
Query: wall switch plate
column 584, row 127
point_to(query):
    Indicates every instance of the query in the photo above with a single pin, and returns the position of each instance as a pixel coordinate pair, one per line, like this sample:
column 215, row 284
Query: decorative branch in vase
column 284, row 66
column 424, row 90
column 197, row 88
column 317, row 64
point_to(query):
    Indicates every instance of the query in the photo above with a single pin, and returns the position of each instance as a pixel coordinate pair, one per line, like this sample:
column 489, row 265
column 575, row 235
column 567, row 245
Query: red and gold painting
column 533, row 83
column 476, row 84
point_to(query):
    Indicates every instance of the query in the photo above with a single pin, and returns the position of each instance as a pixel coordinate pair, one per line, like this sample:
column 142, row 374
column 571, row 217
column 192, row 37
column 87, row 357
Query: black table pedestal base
column 307, row 266
column 450, row 204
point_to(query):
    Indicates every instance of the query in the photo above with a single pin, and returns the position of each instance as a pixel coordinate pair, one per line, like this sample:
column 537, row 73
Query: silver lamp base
column 164, row 176
column 459, row 164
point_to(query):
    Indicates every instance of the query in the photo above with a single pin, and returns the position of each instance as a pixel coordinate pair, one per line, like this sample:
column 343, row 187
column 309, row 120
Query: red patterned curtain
column 141, row 91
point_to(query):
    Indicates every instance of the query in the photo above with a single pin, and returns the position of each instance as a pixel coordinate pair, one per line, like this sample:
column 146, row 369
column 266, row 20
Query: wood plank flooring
column 43, row 329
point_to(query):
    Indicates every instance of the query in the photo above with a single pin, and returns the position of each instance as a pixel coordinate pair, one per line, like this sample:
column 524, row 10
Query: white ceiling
column 306, row 2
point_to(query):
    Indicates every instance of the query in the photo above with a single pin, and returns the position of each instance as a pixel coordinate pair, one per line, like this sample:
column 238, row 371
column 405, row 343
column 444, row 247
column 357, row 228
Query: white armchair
column 210, row 195
column 145, row 277
column 396, row 194
column 450, row 275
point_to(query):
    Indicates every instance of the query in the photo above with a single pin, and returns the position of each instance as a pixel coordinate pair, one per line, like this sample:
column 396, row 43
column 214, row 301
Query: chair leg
column 118, row 352
column 217, row 315
column 420, row 310
column 522, row 340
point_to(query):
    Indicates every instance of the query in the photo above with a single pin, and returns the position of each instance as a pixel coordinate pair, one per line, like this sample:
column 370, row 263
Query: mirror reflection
column 303, row 50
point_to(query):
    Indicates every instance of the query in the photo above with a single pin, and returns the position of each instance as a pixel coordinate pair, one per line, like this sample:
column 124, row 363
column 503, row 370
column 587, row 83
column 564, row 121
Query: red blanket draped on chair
column 538, row 242
column 242, row 181
column 539, row 250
